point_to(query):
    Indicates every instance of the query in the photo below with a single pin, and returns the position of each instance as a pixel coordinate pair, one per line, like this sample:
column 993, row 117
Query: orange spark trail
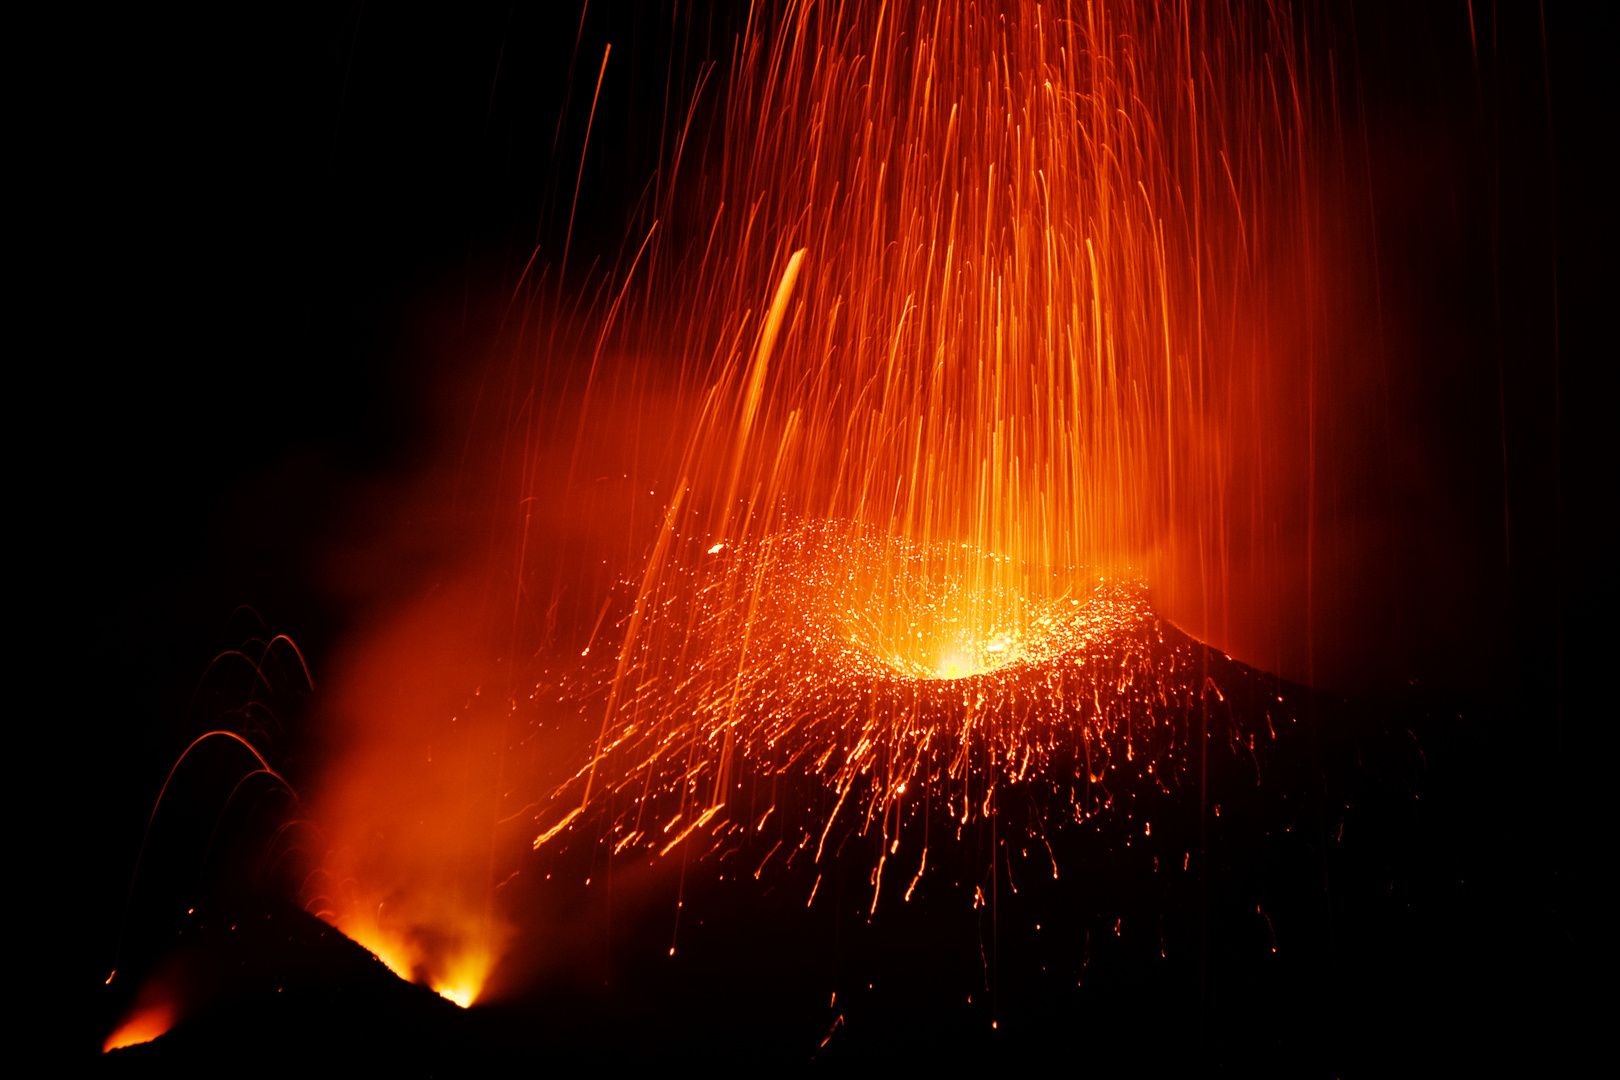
column 958, row 345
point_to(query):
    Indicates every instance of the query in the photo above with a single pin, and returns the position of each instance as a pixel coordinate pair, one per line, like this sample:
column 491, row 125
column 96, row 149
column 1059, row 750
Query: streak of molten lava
column 861, row 668
column 960, row 341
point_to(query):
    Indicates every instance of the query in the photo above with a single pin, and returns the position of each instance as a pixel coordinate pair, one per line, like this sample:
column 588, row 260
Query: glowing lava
column 826, row 679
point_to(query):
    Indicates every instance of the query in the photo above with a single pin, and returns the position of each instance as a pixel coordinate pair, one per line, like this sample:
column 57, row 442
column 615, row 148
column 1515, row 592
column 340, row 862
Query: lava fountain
column 961, row 337
column 904, row 593
column 958, row 330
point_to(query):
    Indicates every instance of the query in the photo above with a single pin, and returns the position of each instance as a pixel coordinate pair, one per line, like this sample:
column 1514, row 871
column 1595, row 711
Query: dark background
column 248, row 233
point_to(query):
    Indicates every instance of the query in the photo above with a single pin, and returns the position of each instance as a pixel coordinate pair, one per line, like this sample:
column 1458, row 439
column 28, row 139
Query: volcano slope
column 1268, row 876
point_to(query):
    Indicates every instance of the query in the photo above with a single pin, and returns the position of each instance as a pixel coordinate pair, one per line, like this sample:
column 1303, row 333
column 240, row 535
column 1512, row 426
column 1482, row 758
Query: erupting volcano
column 895, row 592
column 962, row 332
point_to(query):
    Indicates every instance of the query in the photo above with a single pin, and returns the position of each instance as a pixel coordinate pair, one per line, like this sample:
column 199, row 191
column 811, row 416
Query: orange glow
column 408, row 810
column 148, row 1020
column 458, row 978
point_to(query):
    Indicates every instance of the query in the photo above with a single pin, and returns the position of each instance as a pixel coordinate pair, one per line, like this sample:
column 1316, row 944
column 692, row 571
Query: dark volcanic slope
column 1311, row 892
column 262, row 985
column 1343, row 894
